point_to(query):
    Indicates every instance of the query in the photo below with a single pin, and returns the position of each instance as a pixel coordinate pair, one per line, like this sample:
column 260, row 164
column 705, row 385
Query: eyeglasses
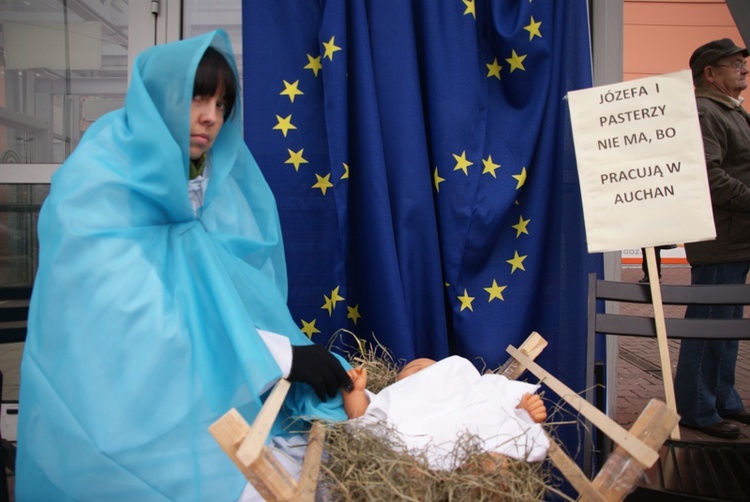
column 736, row 66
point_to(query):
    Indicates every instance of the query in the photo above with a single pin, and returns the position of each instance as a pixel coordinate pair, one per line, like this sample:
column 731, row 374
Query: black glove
column 314, row 365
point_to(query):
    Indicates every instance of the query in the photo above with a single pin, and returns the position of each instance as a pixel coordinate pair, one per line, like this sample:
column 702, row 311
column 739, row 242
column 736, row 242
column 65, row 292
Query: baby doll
column 357, row 400
column 441, row 400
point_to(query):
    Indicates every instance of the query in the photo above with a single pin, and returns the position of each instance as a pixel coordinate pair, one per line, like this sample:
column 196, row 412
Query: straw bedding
column 362, row 465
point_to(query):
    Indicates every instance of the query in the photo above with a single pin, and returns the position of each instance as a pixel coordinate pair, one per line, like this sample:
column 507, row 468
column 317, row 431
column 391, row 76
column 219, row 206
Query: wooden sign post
column 661, row 334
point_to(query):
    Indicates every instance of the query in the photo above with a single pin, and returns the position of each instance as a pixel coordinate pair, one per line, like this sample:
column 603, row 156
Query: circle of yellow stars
column 296, row 158
column 323, row 183
column 515, row 62
column 285, row 124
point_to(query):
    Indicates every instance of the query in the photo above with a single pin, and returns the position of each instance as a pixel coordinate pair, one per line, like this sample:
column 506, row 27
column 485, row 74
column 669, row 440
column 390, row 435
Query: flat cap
column 709, row 53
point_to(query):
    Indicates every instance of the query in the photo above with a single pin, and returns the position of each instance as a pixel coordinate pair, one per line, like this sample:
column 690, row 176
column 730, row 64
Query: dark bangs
column 214, row 72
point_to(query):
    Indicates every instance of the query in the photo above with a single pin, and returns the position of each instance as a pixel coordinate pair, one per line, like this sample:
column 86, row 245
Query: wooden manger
column 637, row 449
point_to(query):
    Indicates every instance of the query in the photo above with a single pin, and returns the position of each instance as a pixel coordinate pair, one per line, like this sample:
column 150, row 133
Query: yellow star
column 493, row 70
column 489, row 166
column 437, row 180
column 291, row 90
column 516, row 62
column 517, row 262
column 335, row 297
column 521, row 178
column 470, row 8
column 495, row 291
column 346, row 171
column 309, row 328
column 521, row 226
column 328, row 305
column 466, row 301
column 323, row 183
column 330, row 48
column 462, row 163
column 353, row 314
column 533, row 28
column 295, row 158
column 284, row 124
column 314, row 64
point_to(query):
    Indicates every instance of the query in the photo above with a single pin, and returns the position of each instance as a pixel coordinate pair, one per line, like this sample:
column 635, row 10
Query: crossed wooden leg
column 245, row 445
column 637, row 449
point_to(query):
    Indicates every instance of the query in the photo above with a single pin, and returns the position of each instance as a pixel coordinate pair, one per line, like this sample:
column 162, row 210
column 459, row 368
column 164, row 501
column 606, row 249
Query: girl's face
column 206, row 119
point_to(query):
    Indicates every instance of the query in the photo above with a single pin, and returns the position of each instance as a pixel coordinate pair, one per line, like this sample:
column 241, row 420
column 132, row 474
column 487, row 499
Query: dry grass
column 381, row 367
column 366, row 465
column 362, row 465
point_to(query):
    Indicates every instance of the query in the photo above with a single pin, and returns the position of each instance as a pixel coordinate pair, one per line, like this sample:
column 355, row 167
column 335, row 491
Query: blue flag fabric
column 421, row 157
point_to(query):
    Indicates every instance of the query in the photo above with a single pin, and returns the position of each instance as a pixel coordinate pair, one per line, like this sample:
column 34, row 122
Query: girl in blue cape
column 160, row 298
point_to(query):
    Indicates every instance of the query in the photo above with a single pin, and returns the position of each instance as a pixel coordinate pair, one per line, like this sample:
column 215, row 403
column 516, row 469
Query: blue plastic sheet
column 141, row 329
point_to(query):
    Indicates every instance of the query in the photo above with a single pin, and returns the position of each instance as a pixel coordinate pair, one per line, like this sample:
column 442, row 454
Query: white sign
column 640, row 163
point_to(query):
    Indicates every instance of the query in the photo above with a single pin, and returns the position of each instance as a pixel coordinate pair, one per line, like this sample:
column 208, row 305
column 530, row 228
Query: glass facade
column 19, row 210
column 63, row 65
column 200, row 16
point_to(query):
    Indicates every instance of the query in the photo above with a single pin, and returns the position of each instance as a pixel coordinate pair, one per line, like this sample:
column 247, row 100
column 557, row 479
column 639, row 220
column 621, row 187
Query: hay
column 381, row 367
column 363, row 464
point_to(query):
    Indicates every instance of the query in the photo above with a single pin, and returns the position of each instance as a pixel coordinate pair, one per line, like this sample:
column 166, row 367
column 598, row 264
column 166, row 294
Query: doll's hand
column 359, row 378
column 534, row 406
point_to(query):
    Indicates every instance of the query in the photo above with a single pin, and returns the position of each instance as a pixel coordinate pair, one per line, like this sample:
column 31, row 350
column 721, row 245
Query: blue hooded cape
column 142, row 320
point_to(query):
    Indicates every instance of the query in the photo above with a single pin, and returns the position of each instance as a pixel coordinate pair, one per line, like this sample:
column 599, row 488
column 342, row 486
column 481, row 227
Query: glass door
column 63, row 64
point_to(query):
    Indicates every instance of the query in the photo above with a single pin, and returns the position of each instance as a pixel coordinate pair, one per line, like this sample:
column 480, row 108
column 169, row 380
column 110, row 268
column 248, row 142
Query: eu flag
column 421, row 157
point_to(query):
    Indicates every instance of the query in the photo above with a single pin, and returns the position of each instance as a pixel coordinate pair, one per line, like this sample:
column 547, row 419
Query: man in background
column 704, row 383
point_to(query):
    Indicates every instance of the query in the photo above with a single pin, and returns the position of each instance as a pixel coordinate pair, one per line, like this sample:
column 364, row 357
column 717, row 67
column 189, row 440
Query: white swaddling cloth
column 434, row 407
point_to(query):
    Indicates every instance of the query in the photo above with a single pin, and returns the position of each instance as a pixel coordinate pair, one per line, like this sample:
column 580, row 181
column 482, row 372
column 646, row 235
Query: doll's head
column 414, row 366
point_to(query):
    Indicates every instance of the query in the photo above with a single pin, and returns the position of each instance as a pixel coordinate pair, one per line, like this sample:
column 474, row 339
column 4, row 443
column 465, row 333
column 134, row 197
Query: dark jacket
column 725, row 127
